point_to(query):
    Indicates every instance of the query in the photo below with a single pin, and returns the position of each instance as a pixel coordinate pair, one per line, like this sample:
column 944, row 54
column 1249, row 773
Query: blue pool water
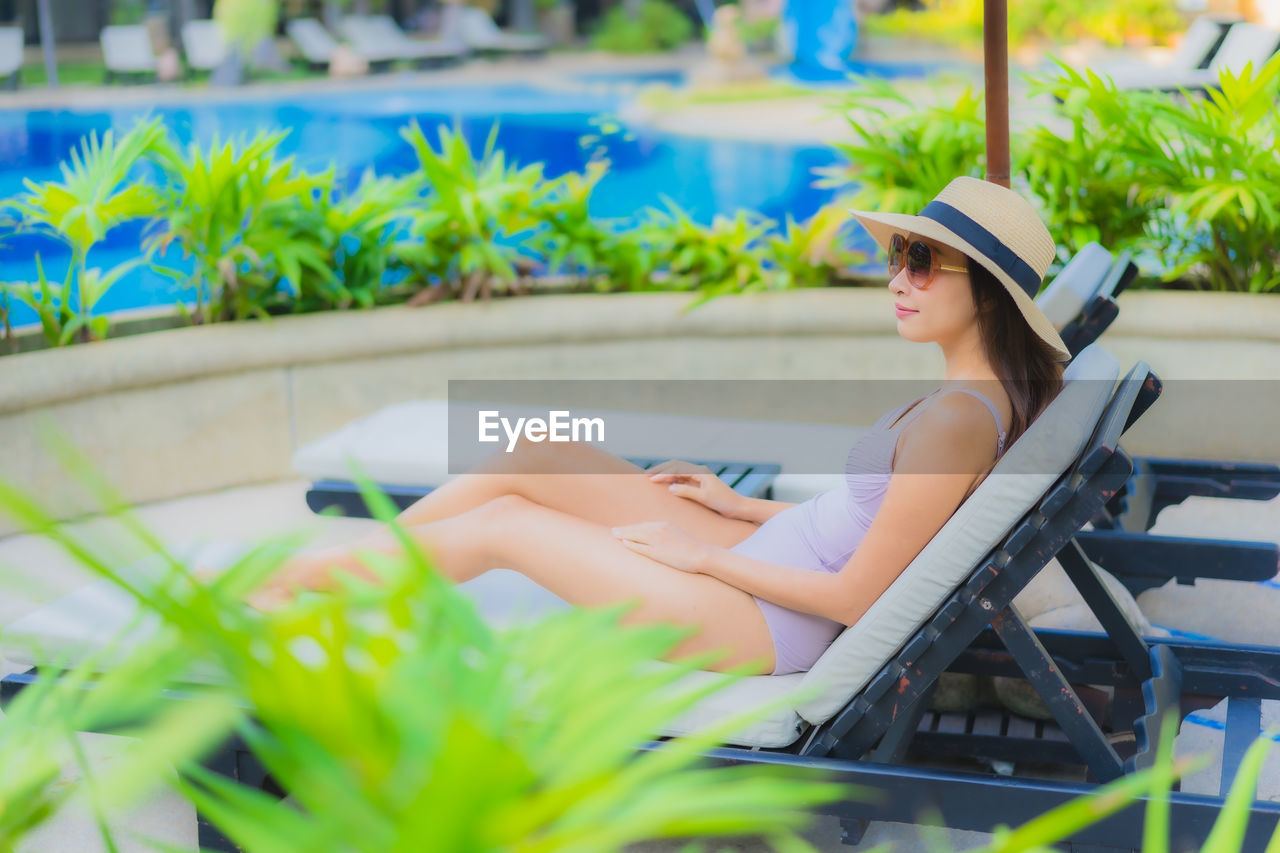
column 356, row 131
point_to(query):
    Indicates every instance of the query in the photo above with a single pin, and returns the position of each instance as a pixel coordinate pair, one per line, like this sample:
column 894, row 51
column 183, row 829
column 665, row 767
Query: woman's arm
column 943, row 453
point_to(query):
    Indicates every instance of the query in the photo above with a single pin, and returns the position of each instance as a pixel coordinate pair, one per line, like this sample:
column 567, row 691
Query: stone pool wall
column 194, row 410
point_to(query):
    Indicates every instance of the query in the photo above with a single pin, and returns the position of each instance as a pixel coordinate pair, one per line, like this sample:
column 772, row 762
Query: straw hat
column 992, row 225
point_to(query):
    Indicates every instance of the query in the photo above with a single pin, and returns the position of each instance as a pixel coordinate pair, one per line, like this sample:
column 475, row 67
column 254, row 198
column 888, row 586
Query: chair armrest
column 1142, row 561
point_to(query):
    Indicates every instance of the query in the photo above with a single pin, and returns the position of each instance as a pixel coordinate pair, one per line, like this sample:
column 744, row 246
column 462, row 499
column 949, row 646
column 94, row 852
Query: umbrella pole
column 46, row 42
column 995, row 44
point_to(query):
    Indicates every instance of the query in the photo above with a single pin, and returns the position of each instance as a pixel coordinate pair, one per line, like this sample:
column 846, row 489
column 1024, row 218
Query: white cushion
column 312, row 39
column 11, row 49
column 1014, row 486
column 100, row 619
column 1073, row 288
column 205, row 44
column 127, row 49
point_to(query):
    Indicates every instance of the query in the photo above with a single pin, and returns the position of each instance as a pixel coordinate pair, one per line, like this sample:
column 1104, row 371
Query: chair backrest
column 315, row 42
column 11, row 45
column 384, row 28
column 367, row 37
column 1017, row 483
column 1245, row 44
column 1200, row 43
column 1070, row 291
column 477, row 26
column 127, row 48
column 204, row 43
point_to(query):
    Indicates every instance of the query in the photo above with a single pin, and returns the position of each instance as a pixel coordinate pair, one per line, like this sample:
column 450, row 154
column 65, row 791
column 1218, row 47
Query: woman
column 761, row 582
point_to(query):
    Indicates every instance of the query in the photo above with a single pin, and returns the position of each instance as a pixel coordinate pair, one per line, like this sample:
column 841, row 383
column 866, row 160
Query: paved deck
column 37, row 573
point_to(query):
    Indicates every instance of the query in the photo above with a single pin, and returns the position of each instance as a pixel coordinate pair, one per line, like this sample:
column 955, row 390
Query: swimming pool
column 359, row 130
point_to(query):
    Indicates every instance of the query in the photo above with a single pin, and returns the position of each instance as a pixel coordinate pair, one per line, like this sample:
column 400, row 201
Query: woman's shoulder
column 954, row 433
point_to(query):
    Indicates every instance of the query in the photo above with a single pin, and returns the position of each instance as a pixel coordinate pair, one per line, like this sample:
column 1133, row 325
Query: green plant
column 1089, row 185
column 128, row 11
column 811, row 254
column 658, row 25
column 1214, row 163
column 397, row 720
column 758, row 32
column 247, row 22
column 93, row 197
column 464, row 227
column 904, row 153
column 359, row 231
column 250, row 220
column 723, row 257
column 959, row 22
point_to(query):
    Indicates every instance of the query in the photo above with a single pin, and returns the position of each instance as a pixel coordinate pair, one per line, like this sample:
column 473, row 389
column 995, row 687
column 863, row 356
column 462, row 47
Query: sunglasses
column 919, row 259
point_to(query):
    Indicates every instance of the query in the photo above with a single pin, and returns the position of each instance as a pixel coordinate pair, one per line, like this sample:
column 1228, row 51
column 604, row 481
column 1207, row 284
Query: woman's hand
column 697, row 483
column 295, row 576
column 666, row 543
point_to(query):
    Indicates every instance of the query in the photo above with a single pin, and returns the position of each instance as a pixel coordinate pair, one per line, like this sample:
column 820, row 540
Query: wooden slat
column 1244, row 724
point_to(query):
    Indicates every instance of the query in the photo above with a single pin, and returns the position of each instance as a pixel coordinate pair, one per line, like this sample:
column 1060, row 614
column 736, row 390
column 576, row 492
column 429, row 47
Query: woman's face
column 944, row 310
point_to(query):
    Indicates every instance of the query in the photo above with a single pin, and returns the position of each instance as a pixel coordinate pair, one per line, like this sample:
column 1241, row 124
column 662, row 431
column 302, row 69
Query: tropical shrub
column 720, row 258
column 40, row 740
column 959, row 22
column 128, row 11
column 266, row 237
column 463, row 234
column 358, row 233
column 658, row 25
column 1193, row 183
column 812, row 253
column 1086, row 179
column 1214, row 164
column 250, row 221
column 904, row 153
column 247, row 22
column 570, row 240
column 397, row 720
column 94, row 196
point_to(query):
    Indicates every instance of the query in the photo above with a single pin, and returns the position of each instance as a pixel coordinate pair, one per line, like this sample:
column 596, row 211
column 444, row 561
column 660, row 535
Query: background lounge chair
column 474, row 28
column 312, row 40
column 380, row 40
column 205, row 45
column 127, row 51
column 1199, row 45
column 12, row 42
column 1244, row 44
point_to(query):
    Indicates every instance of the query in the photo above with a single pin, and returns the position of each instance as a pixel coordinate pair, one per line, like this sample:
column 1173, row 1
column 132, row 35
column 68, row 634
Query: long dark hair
column 1028, row 367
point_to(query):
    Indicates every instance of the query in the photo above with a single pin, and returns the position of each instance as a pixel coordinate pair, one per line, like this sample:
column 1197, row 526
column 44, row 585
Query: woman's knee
column 498, row 518
column 540, row 457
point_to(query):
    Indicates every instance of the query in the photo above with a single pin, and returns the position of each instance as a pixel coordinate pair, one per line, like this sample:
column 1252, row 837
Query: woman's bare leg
column 582, row 562
column 613, row 492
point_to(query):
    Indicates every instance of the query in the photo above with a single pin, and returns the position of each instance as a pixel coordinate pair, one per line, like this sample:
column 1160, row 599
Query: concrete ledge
column 191, row 410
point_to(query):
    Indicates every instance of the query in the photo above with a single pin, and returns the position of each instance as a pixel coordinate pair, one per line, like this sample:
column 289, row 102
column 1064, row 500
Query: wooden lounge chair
column 127, row 53
column 1088, row 287
column 860, row 708
column 1244, row 44
column 1199, row 45
column 474, row 28
column 313, row 41
column 205, row 45
column 381, row 41
column 12, row 42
